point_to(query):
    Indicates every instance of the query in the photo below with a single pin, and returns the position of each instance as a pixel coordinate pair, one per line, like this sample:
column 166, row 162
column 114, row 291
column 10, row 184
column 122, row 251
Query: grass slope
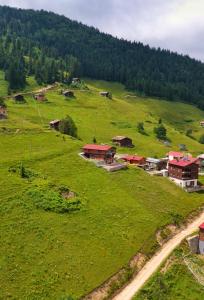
column 45, row 255
column 174, row 282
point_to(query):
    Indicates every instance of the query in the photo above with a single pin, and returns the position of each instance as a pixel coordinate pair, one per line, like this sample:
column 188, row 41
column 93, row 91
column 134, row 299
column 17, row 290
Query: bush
column 67, row 126
column 140, row 128
column 160, row 132
column 51, row 200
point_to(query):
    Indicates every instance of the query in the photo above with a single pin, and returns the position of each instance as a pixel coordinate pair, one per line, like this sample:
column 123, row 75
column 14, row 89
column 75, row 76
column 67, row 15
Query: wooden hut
column 19, row 98
column 40, row 97
column 122, row 141
column 68, row 94
column 55, row 124
column 135, row 160
column 106, row 94
column 100, row 152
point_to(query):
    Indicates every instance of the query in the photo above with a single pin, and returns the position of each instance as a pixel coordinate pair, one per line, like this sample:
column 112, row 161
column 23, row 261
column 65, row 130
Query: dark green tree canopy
column 54, row 48
column 67, row 126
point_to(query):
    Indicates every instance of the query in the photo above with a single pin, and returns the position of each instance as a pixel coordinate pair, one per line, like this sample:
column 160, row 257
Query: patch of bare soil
column 164, row 234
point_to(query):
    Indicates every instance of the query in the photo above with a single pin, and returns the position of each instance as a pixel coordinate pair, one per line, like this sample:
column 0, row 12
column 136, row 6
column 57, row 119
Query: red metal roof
column 175, row 154
column 133, row 157
column 97, row 147
column 183, row 162
column 201, row 226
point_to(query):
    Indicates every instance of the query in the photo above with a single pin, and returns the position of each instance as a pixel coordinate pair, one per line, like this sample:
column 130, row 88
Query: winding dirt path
column 155, row 262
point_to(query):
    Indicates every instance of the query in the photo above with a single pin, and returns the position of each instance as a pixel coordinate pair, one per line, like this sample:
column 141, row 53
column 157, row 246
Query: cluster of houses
column 180, row 168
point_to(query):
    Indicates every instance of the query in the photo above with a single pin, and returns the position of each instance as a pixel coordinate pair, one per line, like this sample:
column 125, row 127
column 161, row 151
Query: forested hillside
column 52, row 47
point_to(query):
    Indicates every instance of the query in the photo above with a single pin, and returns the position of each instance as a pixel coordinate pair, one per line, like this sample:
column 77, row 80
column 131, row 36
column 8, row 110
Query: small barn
column 3, row 112
column 55, row 124
column 122, row 141
column 100, row 152
column 19, row 98
column 106, row 94
column 40, row 97
column 135, row 160
column 156, row 164
column 202, row 123
column 68, row 94
column 76, row 80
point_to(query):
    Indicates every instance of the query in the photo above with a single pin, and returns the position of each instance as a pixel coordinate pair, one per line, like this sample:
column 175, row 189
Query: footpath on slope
column 128, row 292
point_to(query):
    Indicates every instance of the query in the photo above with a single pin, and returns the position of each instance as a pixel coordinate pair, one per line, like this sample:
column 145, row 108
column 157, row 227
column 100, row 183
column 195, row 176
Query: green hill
column 52, row 47
column 49, row 255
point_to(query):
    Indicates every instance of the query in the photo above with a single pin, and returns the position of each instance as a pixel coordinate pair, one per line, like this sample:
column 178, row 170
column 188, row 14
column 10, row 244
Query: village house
column 3, row 112
column 76, row 80
column 100, row 152
column 135, row 160
column 184, row 172
column 40, row 97
column 201, row 239
column 55, row 124
column 156, row 164
column 68, row 94
column 175, row 155
column 19, row 98
column 106, row 94
column 202, row 123
column 122, row 141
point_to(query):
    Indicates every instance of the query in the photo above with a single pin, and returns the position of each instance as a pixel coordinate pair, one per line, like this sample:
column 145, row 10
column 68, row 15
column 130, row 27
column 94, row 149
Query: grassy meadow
column 47, row 255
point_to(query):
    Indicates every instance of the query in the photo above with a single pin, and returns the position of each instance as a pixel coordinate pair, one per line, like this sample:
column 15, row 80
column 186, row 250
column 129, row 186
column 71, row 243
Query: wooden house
column 184, row 172
column 76, row 80
column 3, row 112
column 156, row 164
column 40, row 97
column 68, row 94
column 201, row 239
column 122, row 141
column 135, row 160
column 100, row 152
column 201, row 162
column 55, row 124
column 106, row 94
column 19, row 98
column 202, row 123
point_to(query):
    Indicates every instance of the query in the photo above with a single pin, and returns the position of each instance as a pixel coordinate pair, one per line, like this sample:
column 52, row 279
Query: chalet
column 184, row 172
column 68, row 94
column 76, row 80
column 100, row 152
column 122, row 141
column 19, row 98
column 3, row 112
column 40, row 97
column 201, row 239
column 135, row 160
column 175, row 155
column 106, row 94
column 202, row 123
column 156, row 164
column 55, row 124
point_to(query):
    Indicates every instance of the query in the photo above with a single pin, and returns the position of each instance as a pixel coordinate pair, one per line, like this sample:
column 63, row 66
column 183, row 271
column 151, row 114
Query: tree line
column 54, row 48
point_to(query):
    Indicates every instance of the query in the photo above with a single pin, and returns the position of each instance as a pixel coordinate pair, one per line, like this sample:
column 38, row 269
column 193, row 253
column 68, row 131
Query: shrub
column 160, row 132
column 140, row 128
column 51, row 200
column 67, row 126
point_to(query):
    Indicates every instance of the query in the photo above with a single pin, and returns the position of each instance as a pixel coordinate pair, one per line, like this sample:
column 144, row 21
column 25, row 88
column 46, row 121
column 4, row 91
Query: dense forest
column 54, row 48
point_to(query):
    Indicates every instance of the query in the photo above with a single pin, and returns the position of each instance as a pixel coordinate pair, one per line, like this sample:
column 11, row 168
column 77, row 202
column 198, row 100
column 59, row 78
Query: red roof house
column 184, row 172
column 175, row 155
column 135, row 159
column 100, row 152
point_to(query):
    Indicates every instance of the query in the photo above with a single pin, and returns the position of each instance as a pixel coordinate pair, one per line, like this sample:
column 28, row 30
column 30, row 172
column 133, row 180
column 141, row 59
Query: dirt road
column 154, row 263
